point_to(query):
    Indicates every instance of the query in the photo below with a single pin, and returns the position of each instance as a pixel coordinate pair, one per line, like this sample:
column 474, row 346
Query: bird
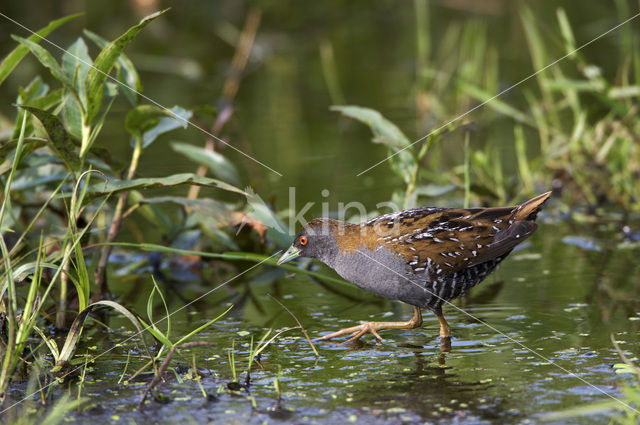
column 425, row 256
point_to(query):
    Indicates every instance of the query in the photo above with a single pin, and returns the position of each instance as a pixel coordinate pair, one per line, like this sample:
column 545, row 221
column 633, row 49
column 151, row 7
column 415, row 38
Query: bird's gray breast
column 384, row 273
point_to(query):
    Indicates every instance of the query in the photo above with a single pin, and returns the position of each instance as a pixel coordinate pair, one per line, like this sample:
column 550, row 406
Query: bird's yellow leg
column 373, row 327
column 445, row 329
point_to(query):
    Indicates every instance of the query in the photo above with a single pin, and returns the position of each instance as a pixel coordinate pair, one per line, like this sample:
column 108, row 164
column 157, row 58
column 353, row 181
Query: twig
column 231, row 85
column 304, row 331
column 625, row 359
column 165, row 364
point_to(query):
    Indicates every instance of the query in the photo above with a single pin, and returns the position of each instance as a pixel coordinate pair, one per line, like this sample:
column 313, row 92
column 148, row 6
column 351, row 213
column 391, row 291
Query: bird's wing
column 455, row 239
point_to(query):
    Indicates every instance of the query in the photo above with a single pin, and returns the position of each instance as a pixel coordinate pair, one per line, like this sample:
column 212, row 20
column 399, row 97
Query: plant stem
column 467, row 180
column 10, row 356
column 100, row 273
column 64, row 280
column 231, row 85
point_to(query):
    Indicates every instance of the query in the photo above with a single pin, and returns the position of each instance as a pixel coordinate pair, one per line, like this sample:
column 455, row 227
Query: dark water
column 560, row 301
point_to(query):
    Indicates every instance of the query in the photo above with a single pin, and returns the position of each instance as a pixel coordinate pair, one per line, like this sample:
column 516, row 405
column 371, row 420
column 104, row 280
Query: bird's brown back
column 450, row 239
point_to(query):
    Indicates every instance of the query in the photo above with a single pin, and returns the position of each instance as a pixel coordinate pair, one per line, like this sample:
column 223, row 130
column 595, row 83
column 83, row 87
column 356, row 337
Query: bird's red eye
column 303, row 240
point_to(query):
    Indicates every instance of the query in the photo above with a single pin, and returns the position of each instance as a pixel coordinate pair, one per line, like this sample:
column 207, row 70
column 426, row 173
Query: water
column 548, row 301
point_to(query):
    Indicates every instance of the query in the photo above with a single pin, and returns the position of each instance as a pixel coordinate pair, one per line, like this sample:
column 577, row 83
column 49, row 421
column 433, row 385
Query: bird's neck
column 338, row 237
column 346, row 240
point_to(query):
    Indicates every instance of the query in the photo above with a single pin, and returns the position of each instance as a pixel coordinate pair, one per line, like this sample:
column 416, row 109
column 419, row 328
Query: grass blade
column 13, row 59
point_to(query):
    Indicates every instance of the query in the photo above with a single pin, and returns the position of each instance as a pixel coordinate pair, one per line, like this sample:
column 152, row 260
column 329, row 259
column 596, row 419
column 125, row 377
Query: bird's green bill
column 291, row 253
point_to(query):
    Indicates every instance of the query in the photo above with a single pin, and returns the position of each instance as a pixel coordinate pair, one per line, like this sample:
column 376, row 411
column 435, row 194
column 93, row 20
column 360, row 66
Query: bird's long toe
column 346, row 331
column 356, row 333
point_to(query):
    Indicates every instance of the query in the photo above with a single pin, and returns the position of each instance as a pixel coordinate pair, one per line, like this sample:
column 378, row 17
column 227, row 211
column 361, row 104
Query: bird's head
column 316, row 240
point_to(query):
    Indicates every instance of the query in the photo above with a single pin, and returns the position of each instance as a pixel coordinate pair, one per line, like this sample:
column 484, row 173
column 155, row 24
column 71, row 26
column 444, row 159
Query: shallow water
column 549, row 301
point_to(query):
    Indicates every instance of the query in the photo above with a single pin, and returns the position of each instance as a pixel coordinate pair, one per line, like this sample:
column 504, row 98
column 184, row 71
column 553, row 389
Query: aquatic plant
column 53, row 165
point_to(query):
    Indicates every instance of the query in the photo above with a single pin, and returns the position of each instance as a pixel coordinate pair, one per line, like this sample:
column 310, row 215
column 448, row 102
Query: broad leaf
column 143, row 118
column 13, row 59
column 126, row 72
column 36, row 94
column 258, row 210
column 219, row 211
column 61, row 143
column 213, row 230
column 384, row 131
column 35, row 181
column 178, row 117
column 115, row 186
column 403, row 164
column 73, row 116
column 220, row 166
column 47, row 101
column 151, row 213
column 76, row 64
column 104, row 63
column 46, row 59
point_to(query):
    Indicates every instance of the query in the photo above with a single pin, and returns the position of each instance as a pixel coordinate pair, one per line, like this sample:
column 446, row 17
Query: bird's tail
column 528, row 210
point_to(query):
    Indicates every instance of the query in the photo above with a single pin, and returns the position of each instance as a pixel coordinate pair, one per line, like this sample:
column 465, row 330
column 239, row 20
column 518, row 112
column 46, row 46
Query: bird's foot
column 357, row 332
column 372, row 328
column 445, row 329
column 445, row 344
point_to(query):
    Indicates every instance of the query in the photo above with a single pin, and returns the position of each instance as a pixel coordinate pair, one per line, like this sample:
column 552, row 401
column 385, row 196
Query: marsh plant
column 63, row 192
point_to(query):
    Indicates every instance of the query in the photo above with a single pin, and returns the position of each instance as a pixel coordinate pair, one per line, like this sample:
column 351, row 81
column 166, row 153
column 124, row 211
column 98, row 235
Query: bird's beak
column 291, row 253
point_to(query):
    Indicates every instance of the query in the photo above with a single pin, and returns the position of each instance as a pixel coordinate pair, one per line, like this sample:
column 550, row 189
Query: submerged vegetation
column 66, row 198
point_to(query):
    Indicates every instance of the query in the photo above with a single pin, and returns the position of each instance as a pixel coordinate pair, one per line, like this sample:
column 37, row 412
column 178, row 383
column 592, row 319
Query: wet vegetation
column 134, row 289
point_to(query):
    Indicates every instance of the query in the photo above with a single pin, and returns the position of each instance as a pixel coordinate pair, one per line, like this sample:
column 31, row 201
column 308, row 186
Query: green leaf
column 46, row 59
column 567, row 32
column 178, row 117
column 126, row 71
column 143, row 118
column 73, row 116
column 34, row 90
column 47, row 101
column 104, row 63
column 167, row 316
column 13, row 59
column 151, row 213
column 115, row 186
column 36, row 94
column 76, row 64
column 30, row 144
column 35, row 181
column 384, row 131
column 496, row 104
column 435, row 190
column 101, row 153
column 76, row 330
column 212, row 229
column 217, row 210
column 220, row 166
column 61, row 144
column 50, row 343
column 276, row 230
